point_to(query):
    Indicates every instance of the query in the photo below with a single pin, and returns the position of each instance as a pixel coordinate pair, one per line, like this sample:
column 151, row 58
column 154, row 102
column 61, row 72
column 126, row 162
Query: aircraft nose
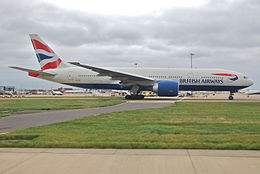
column 250, row 82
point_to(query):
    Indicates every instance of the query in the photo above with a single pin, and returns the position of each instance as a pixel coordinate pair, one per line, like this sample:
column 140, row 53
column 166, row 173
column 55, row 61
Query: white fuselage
column 188, row 79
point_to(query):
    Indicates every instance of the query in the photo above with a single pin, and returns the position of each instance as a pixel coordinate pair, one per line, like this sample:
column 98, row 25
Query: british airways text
column 218, row 81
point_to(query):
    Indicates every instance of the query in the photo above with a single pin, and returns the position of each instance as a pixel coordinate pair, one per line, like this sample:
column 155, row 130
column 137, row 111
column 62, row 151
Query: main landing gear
column 134, row 94
column 231, row 95
column 134, row 97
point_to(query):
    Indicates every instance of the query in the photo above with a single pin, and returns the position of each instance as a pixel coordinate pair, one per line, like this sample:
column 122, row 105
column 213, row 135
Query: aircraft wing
column 32, row 71
column 124, row 77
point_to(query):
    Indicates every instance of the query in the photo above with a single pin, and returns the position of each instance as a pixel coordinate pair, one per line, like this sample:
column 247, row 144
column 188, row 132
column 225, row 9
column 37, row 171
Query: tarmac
column 39, row 118
column 126, row 161
column 220, row 97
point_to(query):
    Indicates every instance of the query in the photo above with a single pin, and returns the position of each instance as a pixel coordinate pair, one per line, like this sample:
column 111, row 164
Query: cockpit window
column 245, row 77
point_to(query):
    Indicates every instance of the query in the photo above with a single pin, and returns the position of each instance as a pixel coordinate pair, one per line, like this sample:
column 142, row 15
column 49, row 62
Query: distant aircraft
column 2, row 92
column 55, row 92
column 71, row 91
column 164, row 82
column 252, row 92
column 59, row 91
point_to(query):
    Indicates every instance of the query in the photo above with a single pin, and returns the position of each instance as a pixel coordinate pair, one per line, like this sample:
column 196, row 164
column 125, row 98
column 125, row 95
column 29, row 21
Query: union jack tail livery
column 45, row 55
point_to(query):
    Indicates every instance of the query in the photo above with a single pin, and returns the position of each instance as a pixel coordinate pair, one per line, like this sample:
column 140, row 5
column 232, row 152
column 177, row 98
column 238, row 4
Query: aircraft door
column 71, row 75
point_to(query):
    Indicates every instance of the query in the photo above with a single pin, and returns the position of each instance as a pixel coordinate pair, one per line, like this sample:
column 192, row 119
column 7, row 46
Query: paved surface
column 112, row 161
column 21, row 121
column 238, row 97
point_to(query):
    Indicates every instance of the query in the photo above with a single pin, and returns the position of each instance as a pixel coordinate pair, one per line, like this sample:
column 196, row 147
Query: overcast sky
column 222, row 33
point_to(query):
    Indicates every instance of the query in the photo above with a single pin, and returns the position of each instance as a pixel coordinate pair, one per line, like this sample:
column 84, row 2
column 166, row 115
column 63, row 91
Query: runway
column 118, row 161
column 22, row 121
column 238, row 97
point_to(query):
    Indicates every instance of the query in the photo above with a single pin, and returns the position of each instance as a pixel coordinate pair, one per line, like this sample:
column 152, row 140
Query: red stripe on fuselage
column 222, row 74
column 39, row 45
column 51, row 65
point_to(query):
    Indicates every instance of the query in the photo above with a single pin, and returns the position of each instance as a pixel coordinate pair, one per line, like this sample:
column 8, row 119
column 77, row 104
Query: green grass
column 9, row 106
column 193, row 125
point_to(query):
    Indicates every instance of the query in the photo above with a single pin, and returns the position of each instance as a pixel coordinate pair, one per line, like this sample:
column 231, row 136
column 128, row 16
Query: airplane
column 59, row 91
column 55, row 92
column 252, row 92
column 162, row 81
column 2, row 92
column 70, row 90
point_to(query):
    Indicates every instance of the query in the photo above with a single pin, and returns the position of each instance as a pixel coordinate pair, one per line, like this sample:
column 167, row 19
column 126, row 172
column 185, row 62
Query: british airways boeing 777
column 164, row 82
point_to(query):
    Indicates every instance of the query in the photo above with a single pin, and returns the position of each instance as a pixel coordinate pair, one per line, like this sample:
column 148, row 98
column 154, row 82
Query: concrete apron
column 113, row 161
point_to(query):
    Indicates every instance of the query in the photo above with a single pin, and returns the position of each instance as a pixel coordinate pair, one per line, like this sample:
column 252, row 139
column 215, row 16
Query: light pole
column 191, row 54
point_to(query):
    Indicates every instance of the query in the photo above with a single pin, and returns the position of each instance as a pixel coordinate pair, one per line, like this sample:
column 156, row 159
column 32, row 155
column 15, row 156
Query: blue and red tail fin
column 45, row 55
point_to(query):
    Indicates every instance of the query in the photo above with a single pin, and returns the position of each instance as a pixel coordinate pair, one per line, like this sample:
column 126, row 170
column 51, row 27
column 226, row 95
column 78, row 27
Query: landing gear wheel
column 230, row 97
column 134, row 97
column 140, row 97
column 128, row 97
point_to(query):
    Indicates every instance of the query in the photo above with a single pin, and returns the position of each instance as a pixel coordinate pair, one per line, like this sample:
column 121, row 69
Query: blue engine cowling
column 166, row 88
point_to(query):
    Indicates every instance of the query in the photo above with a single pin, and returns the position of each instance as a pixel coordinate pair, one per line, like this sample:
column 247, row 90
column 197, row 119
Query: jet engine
column 166, row 88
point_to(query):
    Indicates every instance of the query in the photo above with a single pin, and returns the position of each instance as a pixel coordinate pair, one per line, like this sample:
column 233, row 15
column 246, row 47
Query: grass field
column 193, row 125
column 9, row 106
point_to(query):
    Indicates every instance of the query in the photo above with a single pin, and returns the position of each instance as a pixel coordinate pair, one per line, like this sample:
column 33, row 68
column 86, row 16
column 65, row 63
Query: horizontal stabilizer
column 33, row 71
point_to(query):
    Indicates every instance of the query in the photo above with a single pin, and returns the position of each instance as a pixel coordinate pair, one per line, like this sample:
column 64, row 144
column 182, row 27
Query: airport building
column 7, row 90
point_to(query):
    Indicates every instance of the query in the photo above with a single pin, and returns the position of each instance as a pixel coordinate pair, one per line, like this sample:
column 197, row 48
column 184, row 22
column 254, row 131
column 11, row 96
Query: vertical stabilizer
column 45, row 55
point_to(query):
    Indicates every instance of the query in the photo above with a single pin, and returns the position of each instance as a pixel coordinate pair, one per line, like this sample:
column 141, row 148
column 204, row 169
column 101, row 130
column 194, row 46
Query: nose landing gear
column 231, row 95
